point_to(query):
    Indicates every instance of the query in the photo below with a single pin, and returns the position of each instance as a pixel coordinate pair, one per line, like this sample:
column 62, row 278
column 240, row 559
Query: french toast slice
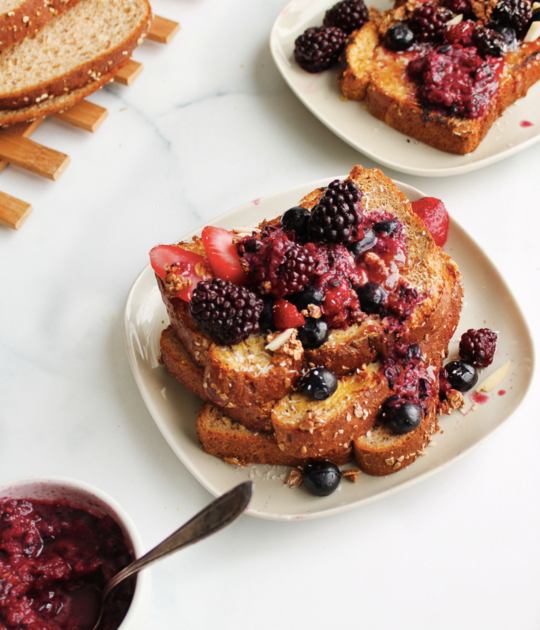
column 370, row 71
column 382, row 452
column 234, row 443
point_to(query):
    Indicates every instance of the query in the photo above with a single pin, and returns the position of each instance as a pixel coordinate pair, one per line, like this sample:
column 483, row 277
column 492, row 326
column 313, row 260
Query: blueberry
column 313, row 333
column 310, row 295
column 319, row 383
column 413, row 352
column 321, row 478
column 372, row 297
column 296, row 220
column 399, row 37
column 386, row 227
column 364, row 244
column 266, row 320
column 400, row 416
column 462, row 376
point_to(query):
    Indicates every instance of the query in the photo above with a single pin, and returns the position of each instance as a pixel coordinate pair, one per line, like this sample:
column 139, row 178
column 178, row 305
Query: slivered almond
column 494, row 379
column 455, row 20
column 280, row 340
column 533, row 33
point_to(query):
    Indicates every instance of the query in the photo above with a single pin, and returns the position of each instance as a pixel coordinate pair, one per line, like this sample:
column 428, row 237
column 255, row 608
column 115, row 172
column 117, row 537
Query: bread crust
column 87, row 73
column 380, row 76
column 56, row 104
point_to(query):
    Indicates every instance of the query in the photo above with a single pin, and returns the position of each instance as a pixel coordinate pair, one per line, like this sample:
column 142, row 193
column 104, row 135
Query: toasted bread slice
column 77, row 48
column 22, row 18
column 231, row 441
column 248, row 380
column 381, row 451
column 372, row 72
column 310, row 428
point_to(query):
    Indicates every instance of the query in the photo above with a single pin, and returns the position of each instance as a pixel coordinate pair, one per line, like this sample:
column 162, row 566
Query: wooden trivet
column 16, row 147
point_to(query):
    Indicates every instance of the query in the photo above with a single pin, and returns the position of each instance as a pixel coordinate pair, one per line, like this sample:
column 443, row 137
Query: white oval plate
column 352, row 122
column 488, row 302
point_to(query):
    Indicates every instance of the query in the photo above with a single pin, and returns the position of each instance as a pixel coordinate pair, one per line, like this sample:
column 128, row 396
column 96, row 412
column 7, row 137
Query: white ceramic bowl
column 84, row 496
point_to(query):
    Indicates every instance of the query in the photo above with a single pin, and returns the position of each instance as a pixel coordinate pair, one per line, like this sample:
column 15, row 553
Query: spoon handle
column 220, row 513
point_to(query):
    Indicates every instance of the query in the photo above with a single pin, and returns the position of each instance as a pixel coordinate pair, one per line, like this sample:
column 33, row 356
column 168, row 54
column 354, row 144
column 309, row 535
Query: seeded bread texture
column 22, row 18
column 380, row 76
column 56, row 104
column 78, row 47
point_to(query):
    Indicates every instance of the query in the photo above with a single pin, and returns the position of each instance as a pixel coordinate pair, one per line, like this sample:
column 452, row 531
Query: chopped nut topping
column 351, row 475
column 303, row 450
column 396, row 466
column 312, row 311
column 400, row 459
column 358, row 412
column 203, row 270
column 389, row 461
column 294, row 478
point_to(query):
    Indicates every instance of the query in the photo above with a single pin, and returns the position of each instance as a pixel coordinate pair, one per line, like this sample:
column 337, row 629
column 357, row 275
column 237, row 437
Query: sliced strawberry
column 222, row 254
column 435, row 217
column 181, row 261
column 286, row 315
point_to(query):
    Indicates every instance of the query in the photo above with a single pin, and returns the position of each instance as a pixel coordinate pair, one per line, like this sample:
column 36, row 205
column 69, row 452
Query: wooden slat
column 32, row 156
column 13, row 212
column 21, row 129
column 162, row 30
column 84, row 115
column 128, row 74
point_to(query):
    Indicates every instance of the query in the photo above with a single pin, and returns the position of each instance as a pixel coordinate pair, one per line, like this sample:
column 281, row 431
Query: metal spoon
column 220, row 513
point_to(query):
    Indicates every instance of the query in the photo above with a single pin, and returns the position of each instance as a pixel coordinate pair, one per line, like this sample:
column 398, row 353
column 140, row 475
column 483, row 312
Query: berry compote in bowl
column 61, row 540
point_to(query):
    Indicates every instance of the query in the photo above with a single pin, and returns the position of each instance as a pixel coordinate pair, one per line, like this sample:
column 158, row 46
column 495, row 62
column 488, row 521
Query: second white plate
column 488, row 302
column 352, row 122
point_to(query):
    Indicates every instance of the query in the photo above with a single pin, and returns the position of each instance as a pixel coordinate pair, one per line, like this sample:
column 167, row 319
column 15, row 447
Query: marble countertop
column 209, row 125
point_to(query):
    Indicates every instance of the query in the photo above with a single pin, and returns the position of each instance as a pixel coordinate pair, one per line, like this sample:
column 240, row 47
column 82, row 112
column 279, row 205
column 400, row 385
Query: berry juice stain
column 479, row 398
column 526, row 123
column 501, row 392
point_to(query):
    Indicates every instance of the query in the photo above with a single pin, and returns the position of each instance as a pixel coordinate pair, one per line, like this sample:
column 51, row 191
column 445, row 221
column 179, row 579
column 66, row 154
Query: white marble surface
column 207, row 126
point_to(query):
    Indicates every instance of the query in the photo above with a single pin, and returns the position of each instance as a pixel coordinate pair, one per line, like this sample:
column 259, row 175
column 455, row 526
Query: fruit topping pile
column 455, row 79
column 314, row 271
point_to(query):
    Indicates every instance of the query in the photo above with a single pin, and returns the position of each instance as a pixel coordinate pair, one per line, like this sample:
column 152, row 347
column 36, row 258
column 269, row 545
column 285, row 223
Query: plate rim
column 402, row 168
column 193, row 469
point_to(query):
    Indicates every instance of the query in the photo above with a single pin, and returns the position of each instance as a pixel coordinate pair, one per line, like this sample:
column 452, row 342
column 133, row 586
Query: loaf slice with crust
column 22, row 18
column 77, row 48
column 372, row 72
column 382, row 452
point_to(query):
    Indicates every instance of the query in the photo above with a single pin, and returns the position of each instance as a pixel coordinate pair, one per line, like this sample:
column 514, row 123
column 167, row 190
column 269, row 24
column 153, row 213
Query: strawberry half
column 184, row 263
column 435, row 217
column 286, row 315
column 222, row 254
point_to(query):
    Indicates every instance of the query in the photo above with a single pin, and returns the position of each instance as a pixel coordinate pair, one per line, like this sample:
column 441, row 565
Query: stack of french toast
column 53, row 53
column 386, row 298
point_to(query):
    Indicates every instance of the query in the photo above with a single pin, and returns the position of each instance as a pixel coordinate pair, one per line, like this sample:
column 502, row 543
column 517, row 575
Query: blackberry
column 428, row 21
column 458, row 6
column 477, row 347
column 335, row 219
column 228, row 312
column 399, row 37
column 280, row 267
column 318, row 48
column 461, row 33
column 489, row 42
column 509, row 33
column 347, row 15
column 514, row 13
